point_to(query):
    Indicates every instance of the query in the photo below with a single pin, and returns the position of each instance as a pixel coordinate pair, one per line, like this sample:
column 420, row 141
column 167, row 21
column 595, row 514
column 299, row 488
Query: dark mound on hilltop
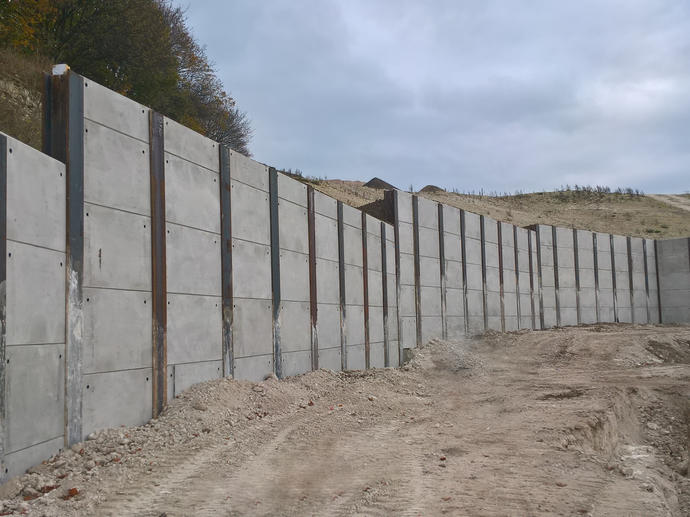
column 432, row 189
column 379, row 184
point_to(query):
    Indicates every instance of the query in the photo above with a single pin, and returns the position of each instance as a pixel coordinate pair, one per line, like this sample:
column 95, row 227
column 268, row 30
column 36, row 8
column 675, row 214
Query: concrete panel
column 491, row 254
column 452, row 248
column 325, row 205
column 374, row 252
column 355, row 325
column 329, row 326
column 406, row 239
column 373, row 226
column 431, row 328
column 352, row 239
column 294, row 276
column 352, row 216
column 190, row 145
column 35, row 197
column 406, row 269
column 375, row 289
column 192, row 195
column 292, row 190
column 248, row 171
column 193, row 261
column 429, row 272
column 116, row 170
column 427, row 212
column 474, row 277
column 408, row 325
column 254, row 368
column 295, row 326
column 451, row 220
column 195, row 328
column 250, row 214
column 475, row 304
column 251, row 270
column 186, row 375
column 454, row 302
column 326, row 231
column 356, row 357
column 35, row 386
column 490, row 230
column 428, row 242
column 456, row 327
column 354, row 292
column 377, row 355
column 117, row 249
column 117, row 330
column 293, row 227
column 252, row 328
column 674, row 280
column 510, row 304
column 330, row 359
column 453, row 275
column 472, row 226
column 493, row 281
column 430, row 301
column 295, row 363
column 404, row 206
column 106, row 107
column 375, row 324
column 35, row 295
column 117, row 398
column 17, row 462
column 406, row 302
column 327, row 281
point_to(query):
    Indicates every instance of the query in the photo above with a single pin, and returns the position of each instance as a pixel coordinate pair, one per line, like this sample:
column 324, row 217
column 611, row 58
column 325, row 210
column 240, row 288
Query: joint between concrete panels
column 482, row 241
column 576, row 263
column 463, row 254
column 531, row 278
column 595, row 251
column 396, row 235
column 3, row 299
column 158, row 262
column 384, row 291
column 499, row 233
column 516, row 261
column 658, row 285
column 275, row 269
column 442, row 271
column 613, row 278
column 313, row 301
column 417, row 289
column 631, row 292
column 365, row 288
column 554, row 249
column 646, row 279
column 226, row 260
column 540, row 281
column 341, row 282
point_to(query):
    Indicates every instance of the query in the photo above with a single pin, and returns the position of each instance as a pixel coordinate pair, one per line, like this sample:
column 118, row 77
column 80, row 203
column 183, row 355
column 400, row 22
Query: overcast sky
column 500, row 95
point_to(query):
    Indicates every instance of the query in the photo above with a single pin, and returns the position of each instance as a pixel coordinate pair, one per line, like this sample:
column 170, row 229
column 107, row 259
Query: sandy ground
column 674, row 200
column 576, row 421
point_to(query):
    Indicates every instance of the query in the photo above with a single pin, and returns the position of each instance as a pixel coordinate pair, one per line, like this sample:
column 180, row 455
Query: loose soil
column 575, row 421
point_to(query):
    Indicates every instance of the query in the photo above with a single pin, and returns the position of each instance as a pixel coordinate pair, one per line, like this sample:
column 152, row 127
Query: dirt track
column 588, row 421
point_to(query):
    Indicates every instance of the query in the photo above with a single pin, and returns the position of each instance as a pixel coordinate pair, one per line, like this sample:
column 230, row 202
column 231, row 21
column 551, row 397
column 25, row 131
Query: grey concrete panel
column 475, row 303
column 356, row 357
column 564, row 238
column 452, row 248
column 428, row 242
column 404, row 206
column 193, row 261
column 406, row 269
column 330, row 358
column 377, row 355
column 326, row 231
column 511, row 323
column 429, row 272
column 454, row 302
column 250, row 214
column 190, row 145
column 112, row 399
column 494, row 323
column 294, row 276
column 373, row 226
column 451, row 220
column 474, row 277
column 254, row 368
column 374, row 253
column 456, row 327
column 375, row 324
column 624, row 314
column 408, row 326
column 473, row 251
column 493, row 305
column 352, row 216
column 430, row 301
column 510, row 304
column 491, row 254
column 394, row 353
column 493, row 281
column 35, row 386
column 111, row 109
column 674, row 314
column 251, row 270
column 117, row 330
column 588, row 315
column 427, row 211
column 117, row 249
column 507, row 234
column 252, row 328
column 472, row 226
column 568, row 316
column 375, row 289
column 490, row 230
column 192, row 195
column 186, row 375
column 295, row 363
column 354, row 292
column 35, row 302
column 295, row 326
column 522, row 239
column 325, row 205
column 327, row 282
column 475, row 324
column 352, row 238
column 328, row 326
column 566, row 257
column 17, row 462
column 293, row 227
column 587, row 279
column 116, row 170
column 453, row 275
column 248, row 171
column 35, row 197
column 292, row 190
column 406, row 302
column 355, row 325
column 406, row 239
column 195, row 328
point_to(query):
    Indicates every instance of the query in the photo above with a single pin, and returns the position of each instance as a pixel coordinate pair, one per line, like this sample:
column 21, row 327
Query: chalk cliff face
column 21, row 97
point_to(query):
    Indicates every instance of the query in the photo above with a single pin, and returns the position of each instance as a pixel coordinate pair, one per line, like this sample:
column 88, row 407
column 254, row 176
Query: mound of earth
column 378, row 183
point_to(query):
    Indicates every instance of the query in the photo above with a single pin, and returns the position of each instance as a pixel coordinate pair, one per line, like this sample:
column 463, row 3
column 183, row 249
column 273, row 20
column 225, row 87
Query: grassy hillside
column 624, row 214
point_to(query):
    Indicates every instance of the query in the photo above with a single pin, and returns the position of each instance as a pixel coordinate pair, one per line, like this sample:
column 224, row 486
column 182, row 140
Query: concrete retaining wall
column 146, row 258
